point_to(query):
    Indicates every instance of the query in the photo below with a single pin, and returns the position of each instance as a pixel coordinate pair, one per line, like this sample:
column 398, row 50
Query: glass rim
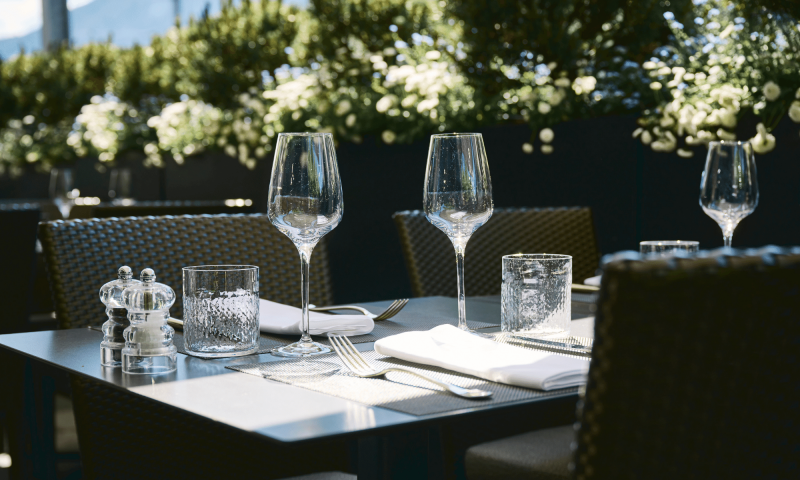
column 729, row 142
column 669, row 242
column 537, row 256
column 219, row 268
column 305, row 134
column 456, row 135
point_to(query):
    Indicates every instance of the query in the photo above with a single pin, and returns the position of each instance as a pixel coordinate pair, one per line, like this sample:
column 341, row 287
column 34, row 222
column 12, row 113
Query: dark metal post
column 55, row 24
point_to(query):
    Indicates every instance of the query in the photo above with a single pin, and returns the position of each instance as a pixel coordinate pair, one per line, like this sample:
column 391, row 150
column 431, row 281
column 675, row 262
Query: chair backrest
column 17, row 264
column 82, row 255
column 430, row 258
column 172, row 207
column 695, row 370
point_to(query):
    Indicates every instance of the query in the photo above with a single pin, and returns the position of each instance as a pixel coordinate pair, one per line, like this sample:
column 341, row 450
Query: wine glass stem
column 727, row 234
column 305, row 258
column 462, row 308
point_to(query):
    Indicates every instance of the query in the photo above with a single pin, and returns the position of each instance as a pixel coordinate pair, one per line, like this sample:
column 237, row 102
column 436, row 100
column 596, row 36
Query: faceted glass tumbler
column 662, row 248
column 220, row 310
column 536, row 295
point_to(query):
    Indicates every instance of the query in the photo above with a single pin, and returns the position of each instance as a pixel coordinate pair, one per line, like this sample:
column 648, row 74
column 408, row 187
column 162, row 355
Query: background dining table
column 388, row 443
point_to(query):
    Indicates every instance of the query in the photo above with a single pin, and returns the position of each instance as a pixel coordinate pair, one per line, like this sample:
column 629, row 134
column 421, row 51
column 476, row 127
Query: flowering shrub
column 399, row 70
column 733, row 66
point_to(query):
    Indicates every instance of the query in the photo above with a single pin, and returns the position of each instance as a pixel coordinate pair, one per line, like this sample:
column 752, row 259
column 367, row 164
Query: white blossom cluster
column 98, row 127
column 183, row 128
column 735, row 71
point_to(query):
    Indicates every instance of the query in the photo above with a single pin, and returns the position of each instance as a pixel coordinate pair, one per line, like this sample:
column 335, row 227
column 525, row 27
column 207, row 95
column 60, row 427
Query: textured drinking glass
column 220, row 310
column 663, row 248
column 729, row 187
column 536, row 296
column 458, row 195
column 305, row 203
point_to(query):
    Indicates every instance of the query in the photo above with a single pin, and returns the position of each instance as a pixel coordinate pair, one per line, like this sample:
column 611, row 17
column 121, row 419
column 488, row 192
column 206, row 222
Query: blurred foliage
column 398, row 70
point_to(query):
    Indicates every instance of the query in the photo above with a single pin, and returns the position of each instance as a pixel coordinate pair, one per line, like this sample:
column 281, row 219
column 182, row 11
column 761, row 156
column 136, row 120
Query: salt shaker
column 148, row 339
column 111, row 296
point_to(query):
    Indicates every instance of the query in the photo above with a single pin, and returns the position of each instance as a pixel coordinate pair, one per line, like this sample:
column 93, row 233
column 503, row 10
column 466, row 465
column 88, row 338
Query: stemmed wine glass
column 458, row 195
column 305, row 203
column 729, row 187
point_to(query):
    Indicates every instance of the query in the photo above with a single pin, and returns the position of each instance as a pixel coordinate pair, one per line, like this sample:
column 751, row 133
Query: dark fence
column 636, row 194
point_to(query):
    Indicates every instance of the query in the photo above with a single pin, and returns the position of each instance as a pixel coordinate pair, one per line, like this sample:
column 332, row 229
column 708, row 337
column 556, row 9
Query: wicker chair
column 694, row 375
column 82, row 255
column 431, row 261
column 171, row 207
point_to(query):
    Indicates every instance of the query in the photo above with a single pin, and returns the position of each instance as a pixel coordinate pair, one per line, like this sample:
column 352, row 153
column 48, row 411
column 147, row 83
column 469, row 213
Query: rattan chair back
column 694, row 371
column 430, row 258
column 82, row 255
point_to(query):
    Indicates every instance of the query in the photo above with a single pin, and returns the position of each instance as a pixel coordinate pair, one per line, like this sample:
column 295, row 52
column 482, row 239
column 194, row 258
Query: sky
column 20, row 17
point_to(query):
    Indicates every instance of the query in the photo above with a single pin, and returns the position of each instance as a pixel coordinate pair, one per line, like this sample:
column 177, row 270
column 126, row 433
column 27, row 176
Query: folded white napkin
column 448, row 347
column 285, row 320
column 593, row 281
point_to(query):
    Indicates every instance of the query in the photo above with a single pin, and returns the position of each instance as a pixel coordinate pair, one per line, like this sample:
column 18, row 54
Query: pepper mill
column 111, row 296
column 148, row 339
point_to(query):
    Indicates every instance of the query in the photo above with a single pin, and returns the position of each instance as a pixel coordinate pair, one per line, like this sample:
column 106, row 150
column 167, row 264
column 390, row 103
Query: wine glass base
column 478, row 334
column 301, row 349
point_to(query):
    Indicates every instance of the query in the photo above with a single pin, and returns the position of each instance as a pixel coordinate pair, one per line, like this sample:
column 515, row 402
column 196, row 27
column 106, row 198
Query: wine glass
column 729, row 187
column 61, row 190
column 305, row 203
column 458, row 195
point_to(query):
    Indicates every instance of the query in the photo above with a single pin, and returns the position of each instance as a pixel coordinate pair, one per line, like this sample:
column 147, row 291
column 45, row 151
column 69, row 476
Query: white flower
column 385, row 103
column 350, row 120
column 409, row 101
column 682, row 152
column 727, row 117
column 547, row 149
column 544, row 108
column 797, row 94
column 557, row 97
column 763, row 142
column 637, row 132
column 649, row 65
column 527, row 147
column 655, row 86
column 794, row 111
column 584, row 84
column 726, row 33
column 388, row 137
column 433, row 55
column 646, row 137
column 343, row 107
column 772, row 91
column 725, row 135
column 562, row 82
column 546, row 135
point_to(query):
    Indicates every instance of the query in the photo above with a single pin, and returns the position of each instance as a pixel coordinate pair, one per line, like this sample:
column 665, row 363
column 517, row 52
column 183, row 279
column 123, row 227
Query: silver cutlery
column 361, row 367
column 390, row 312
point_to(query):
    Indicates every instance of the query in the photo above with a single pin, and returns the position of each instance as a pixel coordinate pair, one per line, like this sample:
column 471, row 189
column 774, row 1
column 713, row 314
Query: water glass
column 61, row 190
column 663, row 248
column 220, row 310
column 536, row 295
column 119, row 186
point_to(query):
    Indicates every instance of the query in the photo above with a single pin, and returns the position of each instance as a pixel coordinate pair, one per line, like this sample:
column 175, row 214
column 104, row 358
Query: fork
column 361, row 367
column 390, row 312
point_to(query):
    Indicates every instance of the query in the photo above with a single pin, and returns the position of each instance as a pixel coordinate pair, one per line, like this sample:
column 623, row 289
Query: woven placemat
column 397, row 391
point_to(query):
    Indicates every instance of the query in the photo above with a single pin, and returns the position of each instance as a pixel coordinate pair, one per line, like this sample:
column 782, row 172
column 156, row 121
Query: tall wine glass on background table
column 729, row 187
column 305, row 203
column 458, row 195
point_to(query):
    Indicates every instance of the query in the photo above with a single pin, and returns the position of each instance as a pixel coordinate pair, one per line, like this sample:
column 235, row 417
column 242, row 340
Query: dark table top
column 281, row 412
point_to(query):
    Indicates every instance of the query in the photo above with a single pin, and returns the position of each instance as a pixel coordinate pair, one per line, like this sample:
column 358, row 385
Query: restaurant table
column 389, row 443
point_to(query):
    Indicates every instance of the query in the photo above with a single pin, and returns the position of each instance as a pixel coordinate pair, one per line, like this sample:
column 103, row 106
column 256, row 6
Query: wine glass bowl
column 305, row 203
column 458, row 195
column 729, row 185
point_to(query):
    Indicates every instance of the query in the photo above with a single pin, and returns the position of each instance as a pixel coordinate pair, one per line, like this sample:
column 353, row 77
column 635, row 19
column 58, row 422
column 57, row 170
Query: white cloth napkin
column 593, row 281
column 285, row 320
column 448, row 347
